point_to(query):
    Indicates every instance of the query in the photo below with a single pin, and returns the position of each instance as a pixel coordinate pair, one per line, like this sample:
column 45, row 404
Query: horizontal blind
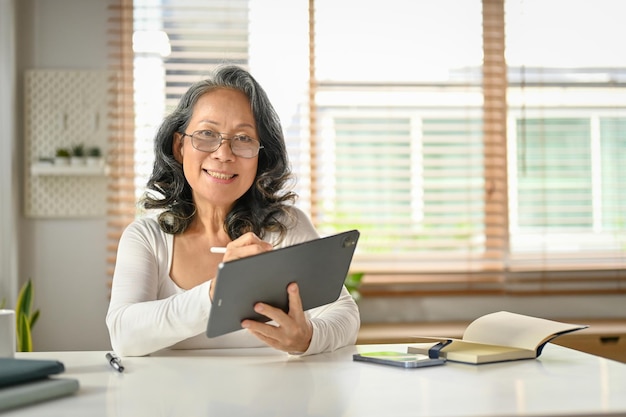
column 495, row 191
column 177, row 43
column 120, row 158
column 399, row 145
column 567, row 122
column 408, row 192
column 312, row 195
column 612, row 131
column 479, row 169
column 157, row 50
column 554, row 187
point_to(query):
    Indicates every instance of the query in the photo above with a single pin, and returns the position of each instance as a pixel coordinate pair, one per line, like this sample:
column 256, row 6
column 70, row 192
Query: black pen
column 115, row 362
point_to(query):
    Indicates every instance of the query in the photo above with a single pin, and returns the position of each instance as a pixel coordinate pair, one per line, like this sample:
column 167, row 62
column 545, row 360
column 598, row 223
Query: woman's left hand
column 292, row 332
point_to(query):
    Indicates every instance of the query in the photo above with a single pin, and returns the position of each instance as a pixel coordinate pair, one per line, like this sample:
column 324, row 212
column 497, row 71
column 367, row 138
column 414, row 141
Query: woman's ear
column 177, row 147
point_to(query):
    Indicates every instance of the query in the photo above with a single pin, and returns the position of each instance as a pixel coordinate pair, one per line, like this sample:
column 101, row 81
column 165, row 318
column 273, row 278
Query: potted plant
column 78, row 154
column 94, row 156
column 353, row 283
column 62, row 157
column 25, row 319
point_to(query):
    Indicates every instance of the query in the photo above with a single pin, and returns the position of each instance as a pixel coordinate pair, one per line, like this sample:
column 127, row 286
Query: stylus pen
column 218, row 249
column 115, row 362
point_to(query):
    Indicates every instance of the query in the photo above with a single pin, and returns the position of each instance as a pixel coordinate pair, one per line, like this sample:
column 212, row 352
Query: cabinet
column 64, row 108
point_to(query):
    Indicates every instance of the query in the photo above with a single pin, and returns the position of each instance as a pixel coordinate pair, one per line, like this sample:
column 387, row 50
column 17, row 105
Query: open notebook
column 496, row 337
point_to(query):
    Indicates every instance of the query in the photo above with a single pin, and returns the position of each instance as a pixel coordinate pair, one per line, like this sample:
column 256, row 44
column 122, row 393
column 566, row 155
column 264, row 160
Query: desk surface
column 263, row 382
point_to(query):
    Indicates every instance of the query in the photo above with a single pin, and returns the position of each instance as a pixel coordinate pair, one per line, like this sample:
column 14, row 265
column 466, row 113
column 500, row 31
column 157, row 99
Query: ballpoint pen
column 115, row 362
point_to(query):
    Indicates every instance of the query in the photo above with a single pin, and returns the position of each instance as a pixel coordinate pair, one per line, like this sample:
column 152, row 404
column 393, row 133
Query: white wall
column 9, row 185
column 65, row 258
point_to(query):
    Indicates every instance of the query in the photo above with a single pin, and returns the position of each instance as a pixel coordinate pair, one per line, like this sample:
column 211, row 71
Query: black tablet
column 319, row 266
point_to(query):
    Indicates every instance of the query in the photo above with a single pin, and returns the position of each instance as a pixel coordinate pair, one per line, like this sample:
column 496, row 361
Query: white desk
column 263, row 382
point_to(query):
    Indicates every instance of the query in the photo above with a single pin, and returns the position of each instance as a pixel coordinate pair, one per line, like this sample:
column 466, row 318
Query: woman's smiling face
column 218, row 178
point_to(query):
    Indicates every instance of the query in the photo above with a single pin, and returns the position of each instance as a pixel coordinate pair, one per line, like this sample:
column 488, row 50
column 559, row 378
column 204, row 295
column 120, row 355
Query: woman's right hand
column 245, row 245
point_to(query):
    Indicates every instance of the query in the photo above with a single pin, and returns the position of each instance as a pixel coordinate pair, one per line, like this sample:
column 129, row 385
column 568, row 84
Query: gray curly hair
column 260, row 209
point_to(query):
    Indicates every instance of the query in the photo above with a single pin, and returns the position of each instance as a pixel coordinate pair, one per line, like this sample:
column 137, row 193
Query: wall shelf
column 42, row 169
column 62, row 109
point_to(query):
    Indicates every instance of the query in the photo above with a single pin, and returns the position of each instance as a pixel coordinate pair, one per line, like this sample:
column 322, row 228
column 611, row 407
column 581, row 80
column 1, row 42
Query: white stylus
column 218, row 249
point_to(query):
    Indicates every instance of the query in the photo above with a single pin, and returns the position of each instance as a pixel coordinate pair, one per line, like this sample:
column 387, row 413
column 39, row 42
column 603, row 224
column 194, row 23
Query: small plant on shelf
column 78, row 150
column 62, row 156
column 62, row 153
column 94, row 152
column 78, row 154
column 94, row 156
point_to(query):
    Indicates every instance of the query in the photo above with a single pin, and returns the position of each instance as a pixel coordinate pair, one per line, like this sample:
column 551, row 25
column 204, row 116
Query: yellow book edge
column 458, row 350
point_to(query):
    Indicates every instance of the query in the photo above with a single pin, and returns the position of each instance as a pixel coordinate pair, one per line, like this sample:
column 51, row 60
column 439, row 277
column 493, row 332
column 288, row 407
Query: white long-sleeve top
column 149, row 312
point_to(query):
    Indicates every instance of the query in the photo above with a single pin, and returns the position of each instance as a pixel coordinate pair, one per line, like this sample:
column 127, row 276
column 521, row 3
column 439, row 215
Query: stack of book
column 29, row 381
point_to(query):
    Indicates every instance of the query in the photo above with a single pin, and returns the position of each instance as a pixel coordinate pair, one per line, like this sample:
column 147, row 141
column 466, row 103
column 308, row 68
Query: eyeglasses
column 210, row 141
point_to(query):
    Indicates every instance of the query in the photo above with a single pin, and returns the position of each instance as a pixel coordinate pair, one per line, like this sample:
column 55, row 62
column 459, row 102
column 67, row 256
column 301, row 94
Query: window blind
column 401, row 151
column 470, row 194
column 121, row 109
column 566, row 118
column 468, row 163
column 158, row 49
column 182, row 41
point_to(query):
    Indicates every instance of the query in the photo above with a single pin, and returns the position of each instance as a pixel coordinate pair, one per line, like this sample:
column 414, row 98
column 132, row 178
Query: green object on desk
column 16, row 371
column 27, row 381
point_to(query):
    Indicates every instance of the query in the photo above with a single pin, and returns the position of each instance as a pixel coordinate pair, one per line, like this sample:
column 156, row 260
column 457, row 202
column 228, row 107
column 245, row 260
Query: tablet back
column 318, row 266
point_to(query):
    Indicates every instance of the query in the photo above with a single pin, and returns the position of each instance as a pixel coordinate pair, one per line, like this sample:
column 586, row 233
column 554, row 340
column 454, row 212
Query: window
column 467, row 151
column 566, row 135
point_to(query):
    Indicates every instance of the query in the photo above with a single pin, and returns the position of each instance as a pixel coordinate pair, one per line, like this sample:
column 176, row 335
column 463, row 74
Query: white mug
column 7, row 333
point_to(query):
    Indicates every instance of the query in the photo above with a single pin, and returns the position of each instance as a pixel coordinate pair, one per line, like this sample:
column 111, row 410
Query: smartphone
column 403, row 360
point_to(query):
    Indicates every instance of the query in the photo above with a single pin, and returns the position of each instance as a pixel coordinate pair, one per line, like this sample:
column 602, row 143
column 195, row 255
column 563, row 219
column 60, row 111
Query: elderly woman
column 219, row 179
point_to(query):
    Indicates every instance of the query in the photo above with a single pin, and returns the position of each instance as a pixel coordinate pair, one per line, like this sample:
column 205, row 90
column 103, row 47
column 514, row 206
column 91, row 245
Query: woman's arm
column 139, row 323
column 336, row 324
